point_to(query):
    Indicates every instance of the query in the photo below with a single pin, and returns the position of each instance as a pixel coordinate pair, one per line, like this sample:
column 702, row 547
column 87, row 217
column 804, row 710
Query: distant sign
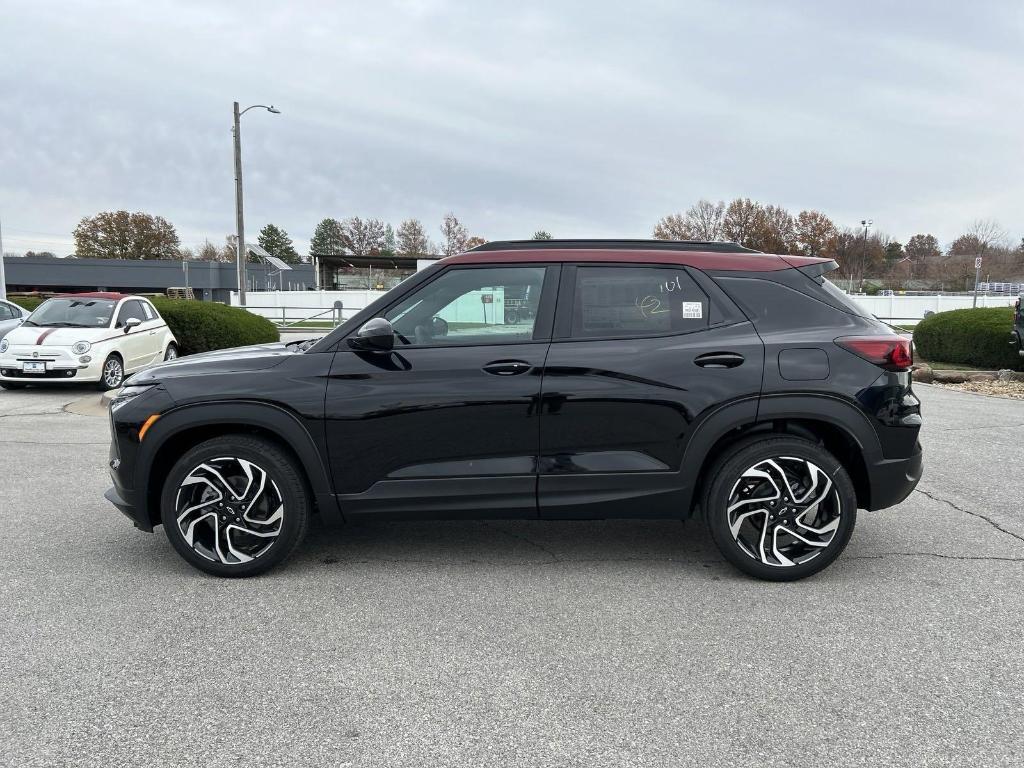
column 486, row 298
column 977, row 263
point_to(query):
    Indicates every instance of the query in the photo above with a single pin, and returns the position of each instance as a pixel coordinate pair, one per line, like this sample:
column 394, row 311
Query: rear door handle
column 507, row 367
column 719, row 360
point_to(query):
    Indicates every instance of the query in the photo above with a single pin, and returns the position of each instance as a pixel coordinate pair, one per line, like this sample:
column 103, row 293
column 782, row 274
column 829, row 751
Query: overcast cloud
column 582, row 118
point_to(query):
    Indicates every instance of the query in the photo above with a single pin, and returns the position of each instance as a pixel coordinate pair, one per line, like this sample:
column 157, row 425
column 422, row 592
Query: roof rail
column 627, row 245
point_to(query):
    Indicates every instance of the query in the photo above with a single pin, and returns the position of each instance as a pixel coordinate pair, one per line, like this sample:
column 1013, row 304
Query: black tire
column 726, row 476
column 171, row 353
column 11, row 385
column 111, row 382
column 284, row 476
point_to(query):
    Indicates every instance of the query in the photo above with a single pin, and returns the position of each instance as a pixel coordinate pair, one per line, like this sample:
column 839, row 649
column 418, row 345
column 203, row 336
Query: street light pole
column 240, row 254
column 864, row 253
column 239, row 220
column 3, row 278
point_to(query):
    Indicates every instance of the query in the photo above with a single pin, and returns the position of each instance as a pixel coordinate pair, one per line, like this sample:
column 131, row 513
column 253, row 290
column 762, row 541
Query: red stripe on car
column 43, row 335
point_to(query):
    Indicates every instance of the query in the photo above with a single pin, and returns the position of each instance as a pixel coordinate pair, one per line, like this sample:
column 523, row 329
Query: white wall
column 300, row 305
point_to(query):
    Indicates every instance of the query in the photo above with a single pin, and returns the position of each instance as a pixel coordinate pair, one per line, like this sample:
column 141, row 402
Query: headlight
column 81, row 347
column 129, row 393
column 4, row 345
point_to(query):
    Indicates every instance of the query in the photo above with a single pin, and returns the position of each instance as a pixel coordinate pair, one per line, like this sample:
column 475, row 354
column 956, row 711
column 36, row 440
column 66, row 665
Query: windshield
column 73, row 313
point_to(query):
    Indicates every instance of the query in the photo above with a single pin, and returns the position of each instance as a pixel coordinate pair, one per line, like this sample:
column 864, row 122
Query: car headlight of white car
column 4, row 345
column 81, row 347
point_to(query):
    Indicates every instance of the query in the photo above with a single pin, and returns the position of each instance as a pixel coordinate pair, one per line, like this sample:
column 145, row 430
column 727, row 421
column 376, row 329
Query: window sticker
column 692, row 310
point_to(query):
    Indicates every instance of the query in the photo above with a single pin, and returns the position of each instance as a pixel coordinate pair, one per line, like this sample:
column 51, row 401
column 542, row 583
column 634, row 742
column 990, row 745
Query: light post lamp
column 240, row 224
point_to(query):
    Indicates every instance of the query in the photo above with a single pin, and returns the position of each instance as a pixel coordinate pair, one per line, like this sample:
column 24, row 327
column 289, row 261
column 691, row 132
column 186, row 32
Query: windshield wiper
column 31, row 322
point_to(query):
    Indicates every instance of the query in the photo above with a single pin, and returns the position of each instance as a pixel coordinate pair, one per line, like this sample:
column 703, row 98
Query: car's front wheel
column 112, row 373
column 780, row 508
column 171, row 353
column 235, row 505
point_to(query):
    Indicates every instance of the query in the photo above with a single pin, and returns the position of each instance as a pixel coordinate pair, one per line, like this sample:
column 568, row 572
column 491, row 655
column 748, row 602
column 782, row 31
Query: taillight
column 894, row 353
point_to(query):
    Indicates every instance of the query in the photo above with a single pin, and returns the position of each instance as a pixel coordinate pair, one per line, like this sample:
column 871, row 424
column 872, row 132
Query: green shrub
column 26, row 302
column 977, row 337
column 201, row 326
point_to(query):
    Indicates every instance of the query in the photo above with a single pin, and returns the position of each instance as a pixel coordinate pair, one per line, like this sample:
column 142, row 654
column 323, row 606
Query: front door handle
column 719, row 360
column 507, row 367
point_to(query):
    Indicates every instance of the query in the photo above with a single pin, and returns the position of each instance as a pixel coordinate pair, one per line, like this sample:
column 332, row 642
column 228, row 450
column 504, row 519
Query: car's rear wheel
column 112, row 373
column 235, row 506
column 172, row 352
column 780, row 509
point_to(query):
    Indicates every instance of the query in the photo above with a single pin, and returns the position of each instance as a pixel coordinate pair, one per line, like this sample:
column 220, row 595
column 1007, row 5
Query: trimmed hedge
column 978, row 337
column 202, row 326
column 26, row 302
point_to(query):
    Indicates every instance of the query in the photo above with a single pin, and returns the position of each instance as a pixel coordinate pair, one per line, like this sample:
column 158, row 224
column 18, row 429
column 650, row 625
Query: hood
column 50, row 336
column 257, row 357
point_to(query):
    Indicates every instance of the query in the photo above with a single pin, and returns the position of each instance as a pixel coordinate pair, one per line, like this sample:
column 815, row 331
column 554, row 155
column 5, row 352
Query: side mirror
column 130, row 323
column 375, row 335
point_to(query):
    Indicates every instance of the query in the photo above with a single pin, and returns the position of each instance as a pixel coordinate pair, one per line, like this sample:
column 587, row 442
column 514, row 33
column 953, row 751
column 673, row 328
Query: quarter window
column 637, row 301
column 6, row 313
column 471, row 306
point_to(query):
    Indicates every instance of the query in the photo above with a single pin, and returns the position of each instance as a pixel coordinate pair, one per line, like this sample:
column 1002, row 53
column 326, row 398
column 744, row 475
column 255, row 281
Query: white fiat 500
column 85, row 337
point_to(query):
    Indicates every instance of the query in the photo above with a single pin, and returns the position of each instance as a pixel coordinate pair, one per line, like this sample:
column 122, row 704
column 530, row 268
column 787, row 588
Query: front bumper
column 893, row 480
column 63, row 368
column 127, row 508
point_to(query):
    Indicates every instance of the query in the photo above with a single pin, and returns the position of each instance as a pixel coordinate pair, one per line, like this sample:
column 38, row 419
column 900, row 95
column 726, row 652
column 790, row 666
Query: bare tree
column 455, row 235
column 412, row 239
column 988, row 233
column 672, row 227
column 364, row 238
column 704, row 220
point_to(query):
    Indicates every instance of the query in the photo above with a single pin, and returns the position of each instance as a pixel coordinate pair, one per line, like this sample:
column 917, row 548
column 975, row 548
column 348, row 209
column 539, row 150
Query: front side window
column 73, row 313
column 471, row 306
column 129, row 310
column 637, row 301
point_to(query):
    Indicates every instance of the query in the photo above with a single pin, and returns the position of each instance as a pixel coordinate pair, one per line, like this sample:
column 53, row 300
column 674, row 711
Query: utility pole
column 3, row 277
column 864, row 253
column 239, row 220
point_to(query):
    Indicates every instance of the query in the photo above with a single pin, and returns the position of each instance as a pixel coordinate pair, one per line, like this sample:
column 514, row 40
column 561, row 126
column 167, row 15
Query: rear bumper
column 892, row 480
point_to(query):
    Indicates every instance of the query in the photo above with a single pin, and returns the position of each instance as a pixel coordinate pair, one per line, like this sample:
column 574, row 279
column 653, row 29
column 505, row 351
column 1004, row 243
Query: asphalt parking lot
column 512, row 644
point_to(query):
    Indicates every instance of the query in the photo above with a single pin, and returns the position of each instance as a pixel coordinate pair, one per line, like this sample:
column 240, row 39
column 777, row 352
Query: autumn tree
column 774, row 230
column 541, row 234
column 209, row 252
column 124, row 235
column 475, row 241
column 328, row 238
column 276, row 242
column 922, row 247
column 412, row 239
column 229, row 251
column 672, row 227
column 454, row 235
column 364, row 238
column 740, row 221
column 813, row 231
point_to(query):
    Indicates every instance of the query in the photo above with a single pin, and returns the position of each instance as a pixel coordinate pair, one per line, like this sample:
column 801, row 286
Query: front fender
column 224, row 415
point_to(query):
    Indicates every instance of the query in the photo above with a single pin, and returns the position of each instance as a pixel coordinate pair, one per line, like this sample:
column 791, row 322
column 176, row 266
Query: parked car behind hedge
column 976, row 337
column 201, row 326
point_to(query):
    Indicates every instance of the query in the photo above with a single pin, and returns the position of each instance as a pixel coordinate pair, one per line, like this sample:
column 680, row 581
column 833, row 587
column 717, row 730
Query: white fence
column 912, row 308
column 290, row 307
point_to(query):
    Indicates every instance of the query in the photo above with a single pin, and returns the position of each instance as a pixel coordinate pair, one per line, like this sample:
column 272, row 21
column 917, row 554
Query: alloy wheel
column 229, row 511
column 784, row 511
column 113, row 373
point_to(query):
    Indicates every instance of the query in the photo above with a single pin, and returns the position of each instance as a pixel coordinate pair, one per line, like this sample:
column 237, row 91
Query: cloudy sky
column 588, row 118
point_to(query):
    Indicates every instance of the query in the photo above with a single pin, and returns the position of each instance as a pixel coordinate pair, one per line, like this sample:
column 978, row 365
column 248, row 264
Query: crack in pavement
column 521, row 537
column 883, row 555
column 978, row 515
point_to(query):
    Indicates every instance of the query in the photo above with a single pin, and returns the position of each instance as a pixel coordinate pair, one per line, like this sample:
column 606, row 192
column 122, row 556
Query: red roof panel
column 732, row 262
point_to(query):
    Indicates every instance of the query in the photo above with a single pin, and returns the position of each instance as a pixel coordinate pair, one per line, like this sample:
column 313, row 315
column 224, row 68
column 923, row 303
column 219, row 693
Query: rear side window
column 6, row 313
column 636, row 301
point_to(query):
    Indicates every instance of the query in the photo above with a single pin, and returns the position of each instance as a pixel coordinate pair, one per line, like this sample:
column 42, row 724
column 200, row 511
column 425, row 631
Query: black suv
column 634, row 379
